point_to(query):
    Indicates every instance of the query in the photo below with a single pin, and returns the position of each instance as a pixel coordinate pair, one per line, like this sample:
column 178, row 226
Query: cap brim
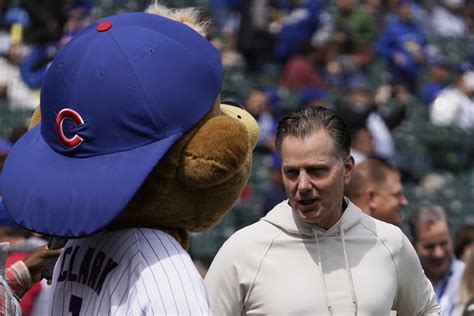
column 58, row 195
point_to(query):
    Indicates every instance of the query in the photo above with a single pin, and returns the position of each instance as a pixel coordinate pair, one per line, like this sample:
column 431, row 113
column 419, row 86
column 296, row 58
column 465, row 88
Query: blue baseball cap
column 464, row 67
column 113, row 102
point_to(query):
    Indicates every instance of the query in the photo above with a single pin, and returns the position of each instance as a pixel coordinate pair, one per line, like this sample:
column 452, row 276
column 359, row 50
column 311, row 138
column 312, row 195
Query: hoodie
column 283, row 266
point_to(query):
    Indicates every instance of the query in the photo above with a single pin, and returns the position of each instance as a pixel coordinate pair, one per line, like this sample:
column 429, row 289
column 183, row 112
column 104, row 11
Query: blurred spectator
column 34, row 66
column 438, row 79
column 48, row 33
column 375, row 10
column 358, row 109
column 362, row 146
column 276, row 97
column 354, row 27
column 313, row 97
column 227, row 47
column 223, row 11
column 356, row 104
column 447, row 19
column 78, row 12
column 47, row 19
column 430, row 230
column 376, row 188
column 275, row 193
column 301, row 19
column 467, row 288
column 464, row 241
column 255, row 37
column 256, row 103
column 454, row 105
column 17, row 237
column 402, row 44
column 300, row 71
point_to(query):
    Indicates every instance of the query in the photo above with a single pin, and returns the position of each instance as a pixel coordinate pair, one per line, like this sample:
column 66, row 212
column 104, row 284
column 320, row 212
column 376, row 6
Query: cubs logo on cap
column 113, row 102
column 63, row 115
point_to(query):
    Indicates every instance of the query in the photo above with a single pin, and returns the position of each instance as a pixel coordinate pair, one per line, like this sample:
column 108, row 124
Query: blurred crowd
column 399, row 72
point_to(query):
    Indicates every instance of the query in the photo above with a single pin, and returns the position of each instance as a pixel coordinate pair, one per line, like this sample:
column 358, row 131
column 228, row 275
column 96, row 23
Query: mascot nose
column 236, row 111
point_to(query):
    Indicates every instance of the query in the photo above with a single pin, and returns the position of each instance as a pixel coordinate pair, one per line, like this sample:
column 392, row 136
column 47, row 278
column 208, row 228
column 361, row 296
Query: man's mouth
column 307, row 204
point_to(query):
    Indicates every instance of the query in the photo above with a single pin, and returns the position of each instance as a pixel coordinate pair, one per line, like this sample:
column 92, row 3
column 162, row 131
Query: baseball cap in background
column 464, row 67
column 113, row 102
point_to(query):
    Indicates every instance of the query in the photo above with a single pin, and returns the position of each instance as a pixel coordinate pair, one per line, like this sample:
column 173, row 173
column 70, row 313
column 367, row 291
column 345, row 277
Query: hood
column 283, row 217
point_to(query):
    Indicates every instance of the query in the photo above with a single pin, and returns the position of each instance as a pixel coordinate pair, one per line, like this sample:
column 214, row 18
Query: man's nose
column 403, row 201
column 438, row 252
column 304, row 183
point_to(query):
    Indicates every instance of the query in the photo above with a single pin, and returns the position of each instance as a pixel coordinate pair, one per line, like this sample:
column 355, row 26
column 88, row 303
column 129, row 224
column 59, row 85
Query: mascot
column 132, row 149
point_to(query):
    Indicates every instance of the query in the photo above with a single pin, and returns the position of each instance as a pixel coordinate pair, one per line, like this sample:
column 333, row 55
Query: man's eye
column 317, row 171
column 291, row 173
column 430, row 247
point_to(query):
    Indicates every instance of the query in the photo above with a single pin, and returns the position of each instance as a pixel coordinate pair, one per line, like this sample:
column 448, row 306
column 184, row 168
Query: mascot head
column 131, row 133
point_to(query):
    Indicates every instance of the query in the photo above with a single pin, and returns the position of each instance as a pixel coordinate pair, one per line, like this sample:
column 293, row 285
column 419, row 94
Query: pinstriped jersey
column 136, row 271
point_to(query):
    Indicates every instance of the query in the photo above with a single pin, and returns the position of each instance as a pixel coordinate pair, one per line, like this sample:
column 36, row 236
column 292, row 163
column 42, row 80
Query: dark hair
column 372, row 170
column 305, row 121
column 426, row 215
column 464, row 237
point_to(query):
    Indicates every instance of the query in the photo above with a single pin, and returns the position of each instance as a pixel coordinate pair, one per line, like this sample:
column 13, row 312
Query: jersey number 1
column 75, row 305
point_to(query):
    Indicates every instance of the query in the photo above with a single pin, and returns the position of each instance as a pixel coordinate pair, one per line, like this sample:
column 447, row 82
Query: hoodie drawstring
column 326, row 298
column 348, row 270
column 349, row 273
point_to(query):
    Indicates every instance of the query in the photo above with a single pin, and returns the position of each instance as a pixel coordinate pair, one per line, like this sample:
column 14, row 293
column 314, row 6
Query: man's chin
column 309, row 216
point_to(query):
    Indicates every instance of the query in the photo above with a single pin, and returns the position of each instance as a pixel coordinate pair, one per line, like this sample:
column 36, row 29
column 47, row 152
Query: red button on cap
column 104, row 26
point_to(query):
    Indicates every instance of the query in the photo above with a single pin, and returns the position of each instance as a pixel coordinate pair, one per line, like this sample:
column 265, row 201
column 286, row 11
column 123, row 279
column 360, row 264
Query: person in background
column 359, row 111
column 447, row 19
column 464, row 241
column 301, row 72
column 438, row 79
column 454, row 105
column 362, row 146
column 377, row 189
column 257, row 104
column 275, row 192
column 402, row 44
column 429, row 228
column 354, row 27
column 17, row 279
column 467, row 287
column 301, row 21
column 313, row 97
column 21, row 244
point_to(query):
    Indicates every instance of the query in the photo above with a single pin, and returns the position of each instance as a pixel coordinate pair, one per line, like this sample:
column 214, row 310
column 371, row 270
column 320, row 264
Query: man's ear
column 370, row 195
column 348, row 168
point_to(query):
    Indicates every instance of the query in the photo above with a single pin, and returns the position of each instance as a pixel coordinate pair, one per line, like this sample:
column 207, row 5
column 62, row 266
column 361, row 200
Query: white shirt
column 453, row 107
column 444, row 23
column 137, row 271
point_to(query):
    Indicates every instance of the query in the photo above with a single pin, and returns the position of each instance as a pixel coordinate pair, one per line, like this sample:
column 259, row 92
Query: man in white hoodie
column 317, row 253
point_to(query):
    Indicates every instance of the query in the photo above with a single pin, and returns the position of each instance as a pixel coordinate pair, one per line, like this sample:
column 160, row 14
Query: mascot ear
column 216, row 152
column 35, row 118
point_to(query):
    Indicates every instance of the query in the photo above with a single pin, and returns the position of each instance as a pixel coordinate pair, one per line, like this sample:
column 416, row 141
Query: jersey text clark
column 91, row 270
